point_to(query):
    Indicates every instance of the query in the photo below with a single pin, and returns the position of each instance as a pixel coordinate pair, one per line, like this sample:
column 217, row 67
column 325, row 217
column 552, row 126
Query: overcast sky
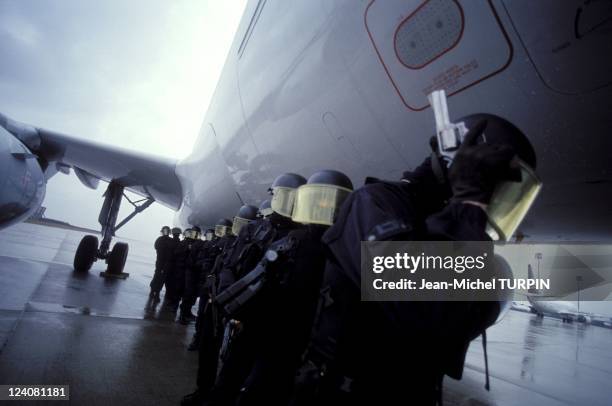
column 137, row 74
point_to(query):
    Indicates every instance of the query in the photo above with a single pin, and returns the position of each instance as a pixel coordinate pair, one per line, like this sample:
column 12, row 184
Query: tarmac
column 112, row 345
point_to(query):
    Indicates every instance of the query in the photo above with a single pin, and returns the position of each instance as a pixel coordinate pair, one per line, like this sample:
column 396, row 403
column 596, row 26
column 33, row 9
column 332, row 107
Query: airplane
column 563, row 309
column 566, row 311
column 309, row 85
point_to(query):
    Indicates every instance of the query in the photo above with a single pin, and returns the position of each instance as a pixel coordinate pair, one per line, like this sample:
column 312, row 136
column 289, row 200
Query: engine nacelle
column 22, row 182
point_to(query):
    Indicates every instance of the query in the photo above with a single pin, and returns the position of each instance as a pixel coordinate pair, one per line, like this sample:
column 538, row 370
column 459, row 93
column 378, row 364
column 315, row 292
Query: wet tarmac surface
column 535, row 361
column 105, row 339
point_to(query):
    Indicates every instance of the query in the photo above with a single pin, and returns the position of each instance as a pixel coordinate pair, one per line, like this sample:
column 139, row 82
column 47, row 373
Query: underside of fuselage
column 349, row 94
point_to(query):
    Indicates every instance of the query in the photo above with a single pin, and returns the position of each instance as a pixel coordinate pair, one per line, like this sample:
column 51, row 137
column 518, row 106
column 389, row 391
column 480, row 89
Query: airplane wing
column 148, row 175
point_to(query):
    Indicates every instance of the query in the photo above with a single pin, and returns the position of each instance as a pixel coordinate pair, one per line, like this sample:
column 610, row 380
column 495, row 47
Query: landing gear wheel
column 86, row 253
column 116, row 259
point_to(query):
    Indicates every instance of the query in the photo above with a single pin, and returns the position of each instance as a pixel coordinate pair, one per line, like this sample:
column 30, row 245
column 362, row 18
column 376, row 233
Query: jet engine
column 22, row 182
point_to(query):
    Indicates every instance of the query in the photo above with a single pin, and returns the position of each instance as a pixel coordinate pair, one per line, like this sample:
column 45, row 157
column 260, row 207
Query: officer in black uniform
column 234, row 256
column 280, row 316
column 208, row 333
column 175, row 280
column 176, row 234
column 205, row 259
column 236, row 354
column 164, row 246
column 192, row 277
column 397, row 352
column 176, row 239
column 209, row 234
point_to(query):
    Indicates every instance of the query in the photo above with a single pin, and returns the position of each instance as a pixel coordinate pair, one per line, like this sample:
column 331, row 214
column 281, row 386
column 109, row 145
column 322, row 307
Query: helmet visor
column 238, row 223
column 165, row 231
column 511, row 202
column 209, row 236
column 282, row 200
column 318, row 204
column 222, row 231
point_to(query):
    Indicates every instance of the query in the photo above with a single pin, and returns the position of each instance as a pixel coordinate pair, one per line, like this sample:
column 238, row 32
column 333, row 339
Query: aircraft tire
column 116, row 259
column 85, row 254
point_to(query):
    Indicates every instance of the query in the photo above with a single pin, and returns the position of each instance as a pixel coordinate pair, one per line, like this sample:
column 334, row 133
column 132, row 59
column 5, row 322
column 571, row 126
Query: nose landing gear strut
column 88, row 251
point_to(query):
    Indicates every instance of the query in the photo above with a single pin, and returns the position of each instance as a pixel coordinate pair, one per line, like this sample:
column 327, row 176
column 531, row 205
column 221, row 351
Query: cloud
column 136, row 74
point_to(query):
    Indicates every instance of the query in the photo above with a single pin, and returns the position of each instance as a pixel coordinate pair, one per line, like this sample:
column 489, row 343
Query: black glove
column 478, row 168
column 430, row 190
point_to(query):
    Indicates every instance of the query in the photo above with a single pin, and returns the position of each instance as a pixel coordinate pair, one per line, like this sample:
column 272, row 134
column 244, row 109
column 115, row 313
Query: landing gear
column 116, row 259
column 88, row 251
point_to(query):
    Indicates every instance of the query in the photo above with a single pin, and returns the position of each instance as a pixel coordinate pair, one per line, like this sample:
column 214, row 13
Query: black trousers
column 236, row 366
column 159, row 278
column 210, row 337
column 190, row 291
column 175, row 285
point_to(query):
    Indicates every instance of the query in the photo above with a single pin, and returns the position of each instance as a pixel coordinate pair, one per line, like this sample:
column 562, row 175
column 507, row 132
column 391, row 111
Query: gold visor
column 282, row 200
column 239, row 222
column 222, row 231
column 318, row 204
column 511, row 202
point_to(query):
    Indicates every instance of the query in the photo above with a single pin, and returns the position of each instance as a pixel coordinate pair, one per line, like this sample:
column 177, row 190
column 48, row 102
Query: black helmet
column 189, row 233
column 197, row 232
column 245, row 214
column 265, row 204
column 283, row 192
column 165, row 230
column 209, row 234
column 330, row 177
column 511, row 200
column 265, row 208
column 318, row 201
column 501, row 131
column 290, row 180
column 224, row 222
column 223, row 227
column 248, row 212
column 176, row 230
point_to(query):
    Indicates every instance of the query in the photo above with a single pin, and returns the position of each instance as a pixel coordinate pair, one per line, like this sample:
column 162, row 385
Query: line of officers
column 280, row 320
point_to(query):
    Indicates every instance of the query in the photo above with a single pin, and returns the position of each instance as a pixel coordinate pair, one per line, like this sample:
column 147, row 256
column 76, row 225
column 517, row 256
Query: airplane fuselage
column 317, row 84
